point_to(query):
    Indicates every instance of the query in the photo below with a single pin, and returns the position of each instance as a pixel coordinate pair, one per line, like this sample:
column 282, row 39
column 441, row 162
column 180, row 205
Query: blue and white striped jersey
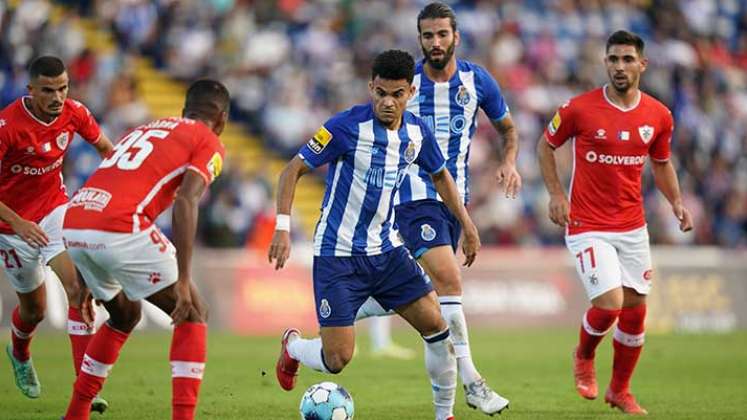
column 367, row 164
column 450, row 110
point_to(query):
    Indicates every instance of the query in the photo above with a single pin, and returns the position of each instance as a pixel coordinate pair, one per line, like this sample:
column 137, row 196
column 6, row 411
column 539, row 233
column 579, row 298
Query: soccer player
column 614, row 130
column 124, row 258
column 35, row 132
column 449, row 92
column 357, row 253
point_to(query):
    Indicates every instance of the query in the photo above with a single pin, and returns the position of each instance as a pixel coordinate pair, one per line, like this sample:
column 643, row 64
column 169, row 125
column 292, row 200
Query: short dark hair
column 438, row 10
column 207, row 98
column 46, row 65
column 625, row 38
column 394, row 65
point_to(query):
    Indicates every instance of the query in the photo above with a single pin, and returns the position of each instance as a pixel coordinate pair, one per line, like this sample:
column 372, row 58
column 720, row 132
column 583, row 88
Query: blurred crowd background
column 290, row 64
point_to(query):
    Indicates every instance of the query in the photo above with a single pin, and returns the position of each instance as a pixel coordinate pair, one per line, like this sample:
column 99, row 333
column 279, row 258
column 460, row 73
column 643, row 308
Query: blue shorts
column 426, row 224
column 342, row 284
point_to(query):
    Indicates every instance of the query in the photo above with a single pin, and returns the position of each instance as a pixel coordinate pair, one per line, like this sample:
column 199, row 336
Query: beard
column 443, row 61
column 621, row 86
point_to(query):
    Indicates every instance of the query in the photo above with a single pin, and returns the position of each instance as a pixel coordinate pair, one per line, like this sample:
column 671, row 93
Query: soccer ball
column 326, row 401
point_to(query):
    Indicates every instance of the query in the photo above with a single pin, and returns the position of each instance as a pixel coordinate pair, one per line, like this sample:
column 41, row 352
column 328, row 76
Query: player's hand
column 86, row 307
column 280, row 248
column 470, row 244
column 559, row 210
column 30, row 232
column 683, row 215
column 509, row 177
column 183, row 307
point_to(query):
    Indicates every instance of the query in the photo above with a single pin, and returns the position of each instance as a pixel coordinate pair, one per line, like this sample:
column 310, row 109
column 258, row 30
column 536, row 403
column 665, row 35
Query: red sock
column 100, row 356
column 21, row 334
column 628, row 343
column 80, row 336
column 188, row 354
column 596, row 323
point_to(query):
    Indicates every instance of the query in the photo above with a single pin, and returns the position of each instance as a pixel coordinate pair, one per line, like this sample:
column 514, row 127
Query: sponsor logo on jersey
column 35, row 171
column 91, row 199
column 215, row 166
column 410, row 152
column 324, row 309
column 601, row 134
column 462, row 96
column 594, row 157
column 427, row 232
column 320, row 140
column 554, row 124
column 62, row 140
column 623, row 135
column 646, row 132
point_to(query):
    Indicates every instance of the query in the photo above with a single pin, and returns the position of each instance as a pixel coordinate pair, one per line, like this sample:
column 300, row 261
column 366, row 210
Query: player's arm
column 104, row 146
column 29, row 231
column 447, row 189
column 666, row 181
column 559, row 206
column 281, row 243
column 507, row 175
column 184, row 222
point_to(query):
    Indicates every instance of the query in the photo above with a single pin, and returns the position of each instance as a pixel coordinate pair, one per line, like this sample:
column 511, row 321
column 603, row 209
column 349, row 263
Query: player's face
column 48, row 94
column 390, row 99
column 437, row 40
column 624, row 67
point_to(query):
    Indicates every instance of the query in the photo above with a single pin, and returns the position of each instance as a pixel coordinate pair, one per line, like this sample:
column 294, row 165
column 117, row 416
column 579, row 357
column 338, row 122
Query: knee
column 33, row 315
column 126, row 320
column 336, row 360
column 433, row 325
column 447, row 281
column 73, row 291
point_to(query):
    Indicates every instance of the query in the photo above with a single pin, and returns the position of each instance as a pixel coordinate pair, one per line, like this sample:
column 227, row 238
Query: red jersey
column 31, row 155
column 610, row 146
column 139, row 180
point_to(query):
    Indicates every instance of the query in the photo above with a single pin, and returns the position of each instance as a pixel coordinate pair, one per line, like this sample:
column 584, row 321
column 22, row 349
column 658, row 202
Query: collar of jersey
column 607, row 98
column 31, row 114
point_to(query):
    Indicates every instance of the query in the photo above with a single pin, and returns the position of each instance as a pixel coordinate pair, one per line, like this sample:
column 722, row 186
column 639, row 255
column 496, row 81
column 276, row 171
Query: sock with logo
column 187, row 357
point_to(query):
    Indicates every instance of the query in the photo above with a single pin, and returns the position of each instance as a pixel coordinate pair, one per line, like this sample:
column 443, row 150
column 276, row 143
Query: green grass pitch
column 679, row 377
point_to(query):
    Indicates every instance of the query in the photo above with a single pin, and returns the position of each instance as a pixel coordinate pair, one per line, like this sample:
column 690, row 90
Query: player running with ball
column 614, row 130
column 357, row 253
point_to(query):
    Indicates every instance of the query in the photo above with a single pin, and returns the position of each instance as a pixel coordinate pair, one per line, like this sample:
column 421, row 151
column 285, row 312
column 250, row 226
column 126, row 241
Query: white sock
column 442, row 370
column 380, row 328
column 308, row 352
column 453, row 313
column 371, row 308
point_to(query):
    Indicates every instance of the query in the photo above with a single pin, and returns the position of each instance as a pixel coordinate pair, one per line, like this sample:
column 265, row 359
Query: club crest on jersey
column 62, row 140
column 215, row 166
column 427, row 232
column 324, row 309
column 462, row 96
column 554, row 124
column 410, row 152
column 646, row 132
column 320, row 140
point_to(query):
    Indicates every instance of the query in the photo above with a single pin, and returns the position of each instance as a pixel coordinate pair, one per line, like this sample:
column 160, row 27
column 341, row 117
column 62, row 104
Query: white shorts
column 609, row 260
column 23, row 263
column 140, row 264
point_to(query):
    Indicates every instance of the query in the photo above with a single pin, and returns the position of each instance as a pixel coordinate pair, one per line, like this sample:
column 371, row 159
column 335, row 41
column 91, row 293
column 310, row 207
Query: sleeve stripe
column 98, row 139
column 202, row 174
column 503, row 116
column 440, row 168
column 659, row 160
column 306, row 162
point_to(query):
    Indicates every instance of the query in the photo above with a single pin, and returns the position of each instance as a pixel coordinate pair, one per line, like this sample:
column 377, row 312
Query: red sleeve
column 661, row 146
column 4, row 139
column 561, row 127
column 87, row 126
column 207, row 157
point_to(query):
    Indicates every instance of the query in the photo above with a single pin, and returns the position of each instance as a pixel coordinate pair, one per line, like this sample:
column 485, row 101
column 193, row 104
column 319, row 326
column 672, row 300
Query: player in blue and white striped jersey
column 357, row 253
column 449, row 93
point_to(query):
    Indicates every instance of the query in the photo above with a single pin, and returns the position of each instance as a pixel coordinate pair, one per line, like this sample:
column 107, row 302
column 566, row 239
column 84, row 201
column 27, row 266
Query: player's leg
column 23, row 268
column 102, row 352
column 628, row 338
column 55, row 255
column 188, row 352
column 440, row 362
column 598, row 267
column 340, row 287
column 382, row 345
column 405, row 287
